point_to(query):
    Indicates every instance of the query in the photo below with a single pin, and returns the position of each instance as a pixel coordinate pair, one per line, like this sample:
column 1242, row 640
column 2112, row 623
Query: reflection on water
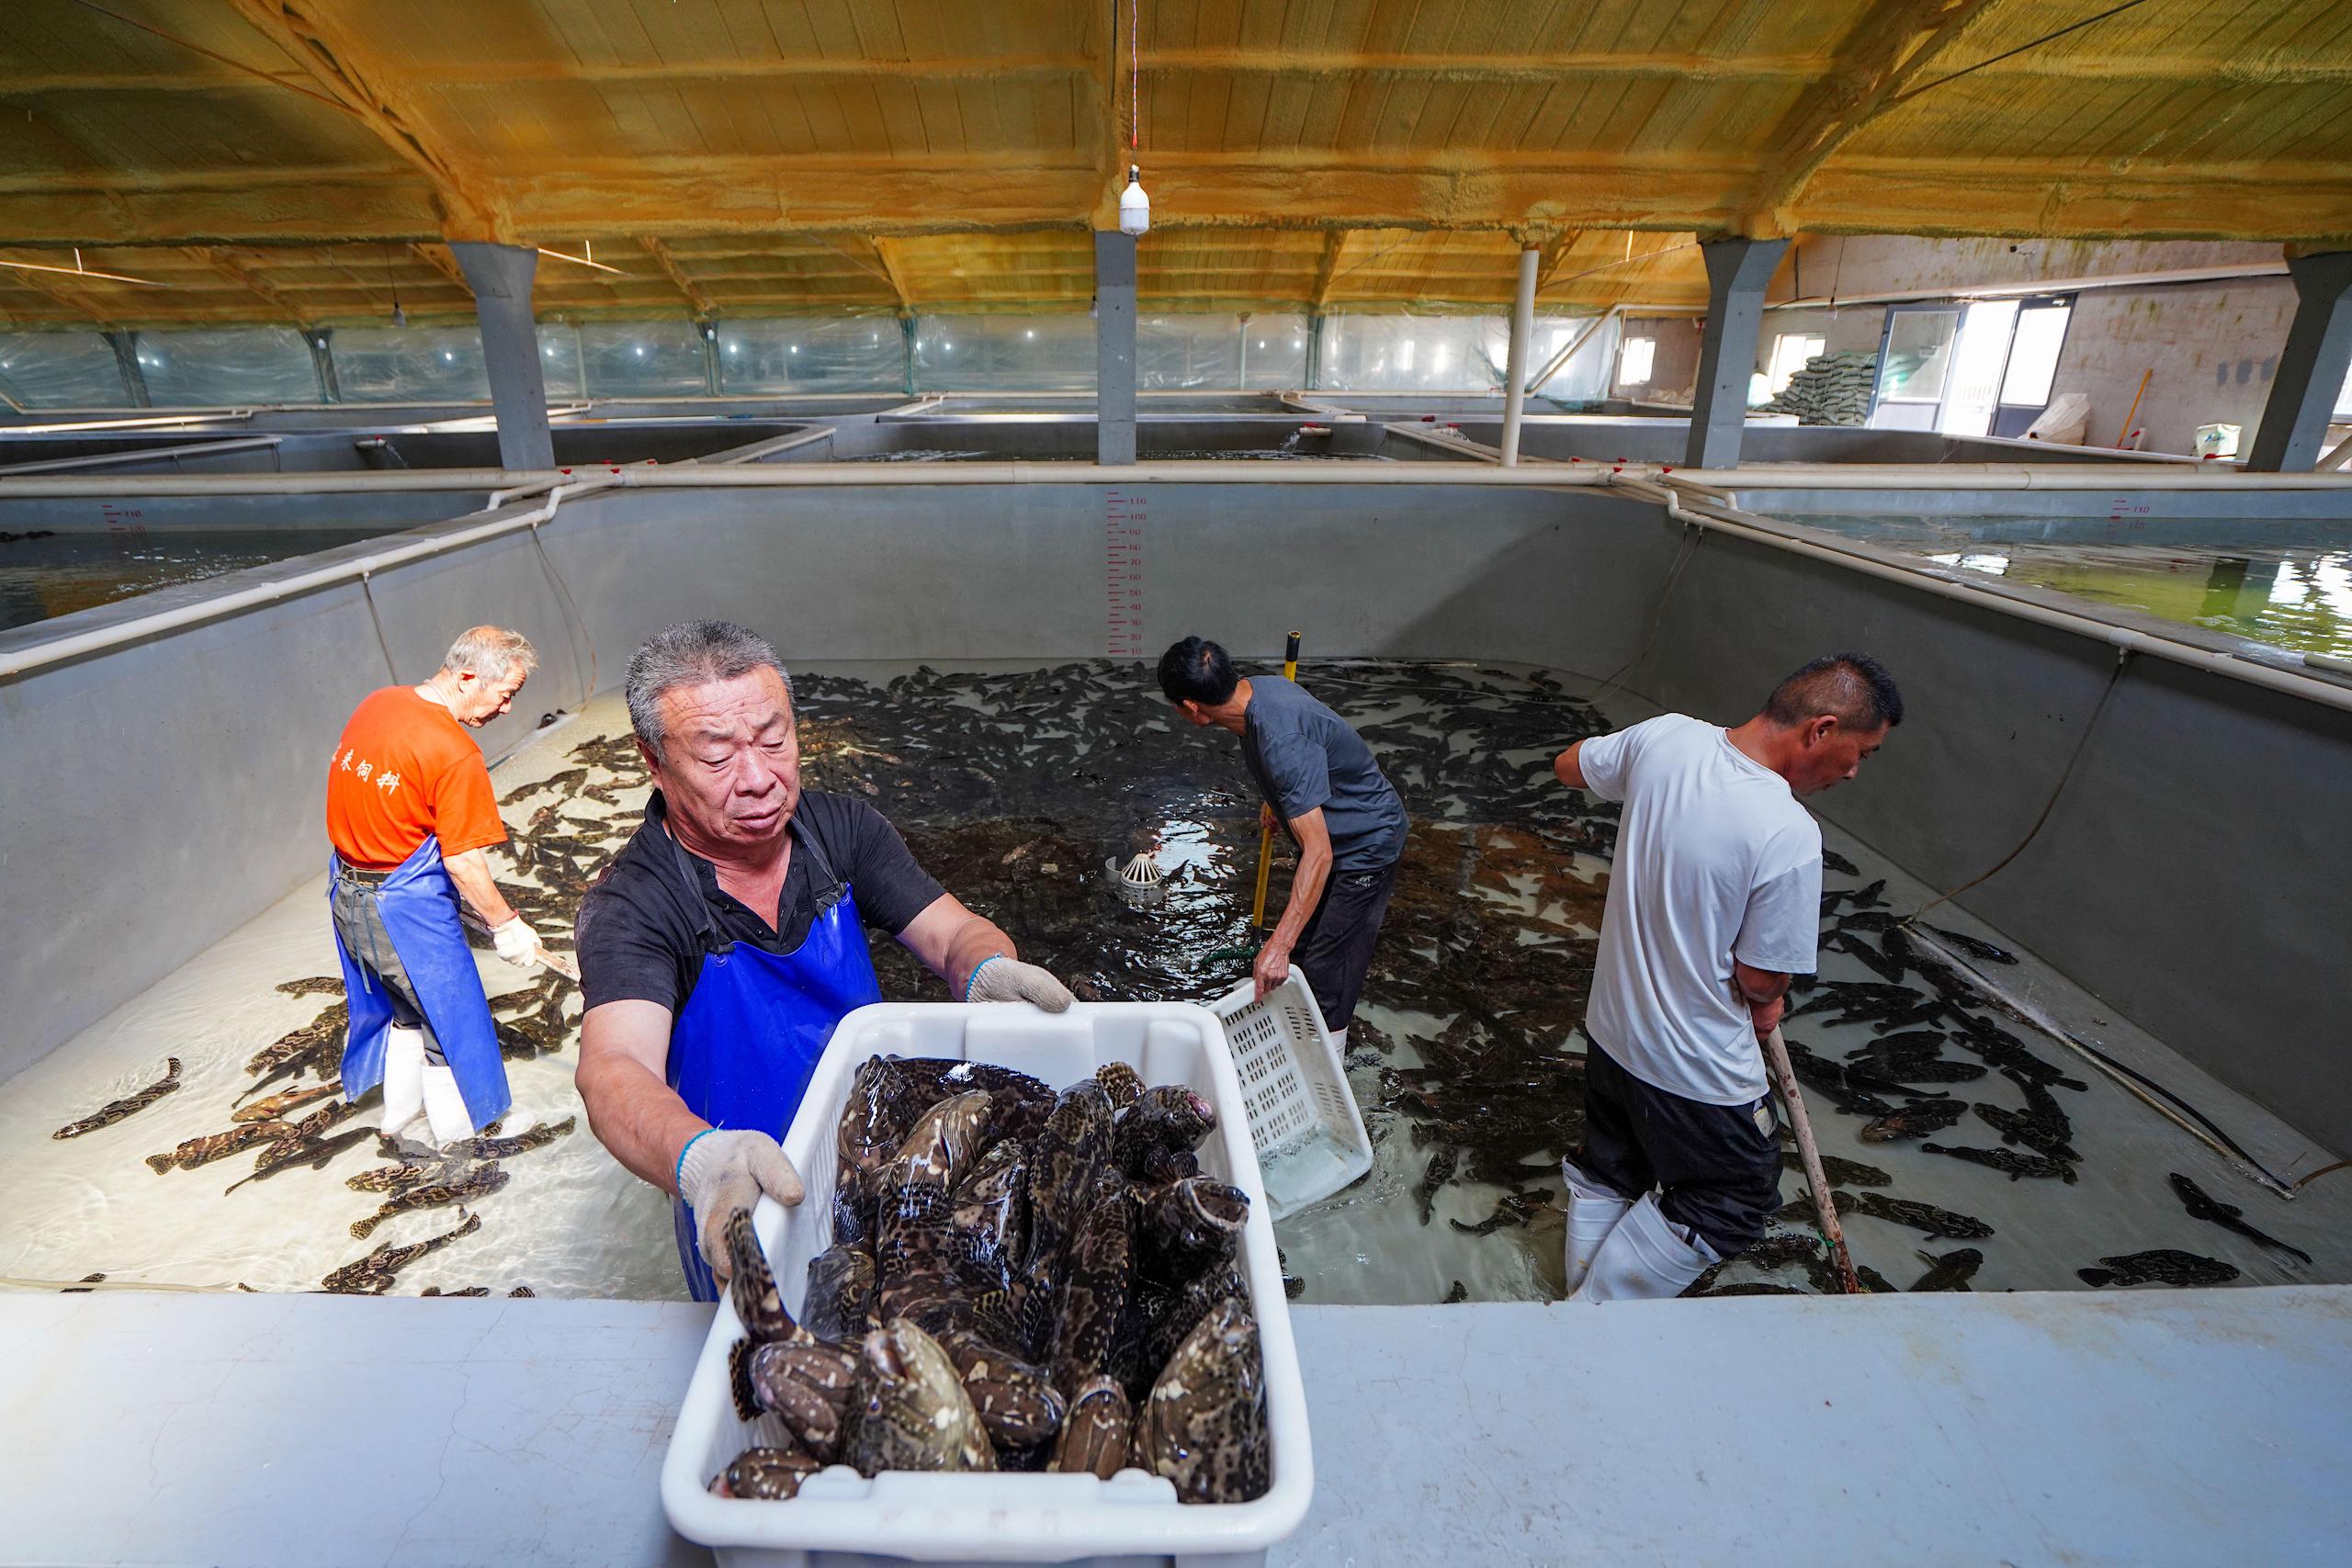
column 44, row 576
column 2285, row 583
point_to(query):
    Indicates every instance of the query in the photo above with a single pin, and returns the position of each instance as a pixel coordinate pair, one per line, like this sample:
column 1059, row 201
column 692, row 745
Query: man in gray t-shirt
column 1319, row 778
column 1715, row 902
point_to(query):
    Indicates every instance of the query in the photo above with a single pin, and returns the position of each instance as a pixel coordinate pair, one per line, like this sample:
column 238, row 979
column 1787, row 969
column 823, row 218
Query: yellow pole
column 1265, row 832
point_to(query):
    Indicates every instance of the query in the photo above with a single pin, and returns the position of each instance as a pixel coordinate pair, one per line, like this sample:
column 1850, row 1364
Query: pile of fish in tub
column 1018, row 1280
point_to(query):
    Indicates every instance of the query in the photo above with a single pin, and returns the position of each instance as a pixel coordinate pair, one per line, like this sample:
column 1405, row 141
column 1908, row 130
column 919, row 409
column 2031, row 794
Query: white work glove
column 516, row 942
column 721, row 1171
column 1002, row 979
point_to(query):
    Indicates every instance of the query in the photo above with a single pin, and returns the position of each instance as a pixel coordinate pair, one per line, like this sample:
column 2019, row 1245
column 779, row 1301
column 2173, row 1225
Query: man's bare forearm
column 471, row 871
column 1306, row 891
column 637, row 1116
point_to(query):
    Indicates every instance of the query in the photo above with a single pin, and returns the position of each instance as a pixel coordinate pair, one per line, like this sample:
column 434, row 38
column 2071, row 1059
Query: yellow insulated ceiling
column 304, row 161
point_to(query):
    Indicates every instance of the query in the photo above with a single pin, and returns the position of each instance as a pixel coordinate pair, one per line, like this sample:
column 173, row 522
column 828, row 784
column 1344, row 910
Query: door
column 1915, row 357
column 2034, row 346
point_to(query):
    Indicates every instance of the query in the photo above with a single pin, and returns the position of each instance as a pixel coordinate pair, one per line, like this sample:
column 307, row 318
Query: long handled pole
column 1265, row 830
column 1776, row 1051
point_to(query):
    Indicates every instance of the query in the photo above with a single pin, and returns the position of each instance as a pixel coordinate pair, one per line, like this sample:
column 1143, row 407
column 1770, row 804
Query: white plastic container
column 839, row 1517
column 1309, row 1135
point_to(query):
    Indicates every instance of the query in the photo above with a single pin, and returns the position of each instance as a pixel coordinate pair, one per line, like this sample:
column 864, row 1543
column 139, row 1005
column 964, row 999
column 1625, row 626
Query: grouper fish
column 106, row 1116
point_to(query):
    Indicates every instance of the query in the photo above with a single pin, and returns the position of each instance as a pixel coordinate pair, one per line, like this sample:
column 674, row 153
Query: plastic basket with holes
column 1308, row 1132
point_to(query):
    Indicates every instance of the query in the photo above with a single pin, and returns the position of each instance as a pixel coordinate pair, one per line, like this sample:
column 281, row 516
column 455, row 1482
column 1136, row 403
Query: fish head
column 913, row 1413
column 945, row 1140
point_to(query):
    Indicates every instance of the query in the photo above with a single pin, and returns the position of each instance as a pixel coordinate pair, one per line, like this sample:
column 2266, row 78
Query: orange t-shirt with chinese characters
column 406, row 768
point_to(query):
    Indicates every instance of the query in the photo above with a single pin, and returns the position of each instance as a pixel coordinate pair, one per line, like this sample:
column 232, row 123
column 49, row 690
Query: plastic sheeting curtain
column 409, row 365
column 1004, row 354
column 210, row 368
column 773, row 355
column 642, row 359
column 1265, row 352
column 559, row 361
column 60, row 370
column 1365, row 352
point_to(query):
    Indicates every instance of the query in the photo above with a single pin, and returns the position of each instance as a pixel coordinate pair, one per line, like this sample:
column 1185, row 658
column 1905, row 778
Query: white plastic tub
column 839, row 1517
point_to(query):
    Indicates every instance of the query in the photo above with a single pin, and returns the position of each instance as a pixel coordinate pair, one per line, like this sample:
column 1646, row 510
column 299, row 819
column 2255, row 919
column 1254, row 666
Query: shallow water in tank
column 2285, row 581
column 1019, row 786
column 45, row 574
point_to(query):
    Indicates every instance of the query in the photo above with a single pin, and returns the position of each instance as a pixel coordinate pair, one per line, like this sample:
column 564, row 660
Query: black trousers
column 1718, row 1166
column 1335, row 949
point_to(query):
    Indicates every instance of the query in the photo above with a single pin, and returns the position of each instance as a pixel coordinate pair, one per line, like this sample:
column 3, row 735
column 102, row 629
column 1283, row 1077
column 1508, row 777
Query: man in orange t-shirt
column 411, row 812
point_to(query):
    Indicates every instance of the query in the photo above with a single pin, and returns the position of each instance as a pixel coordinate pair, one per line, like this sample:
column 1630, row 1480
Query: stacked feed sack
column 1832, row 389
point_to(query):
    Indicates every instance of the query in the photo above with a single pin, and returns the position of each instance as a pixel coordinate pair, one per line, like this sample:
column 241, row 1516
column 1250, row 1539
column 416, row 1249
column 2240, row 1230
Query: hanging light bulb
column 1134, row 208
column 400, row 317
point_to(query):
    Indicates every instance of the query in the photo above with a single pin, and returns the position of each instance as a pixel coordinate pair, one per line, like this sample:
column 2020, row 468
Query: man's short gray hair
column 491, row 652
column 694, row 654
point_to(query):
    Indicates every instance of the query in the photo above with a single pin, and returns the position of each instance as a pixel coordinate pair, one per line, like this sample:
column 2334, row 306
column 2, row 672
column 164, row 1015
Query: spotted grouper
column 910, row 1410
column 1203, row 1424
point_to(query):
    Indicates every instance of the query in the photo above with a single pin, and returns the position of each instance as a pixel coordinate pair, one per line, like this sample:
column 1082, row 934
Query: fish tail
column 738, row 1380
column 158, row 1164
column 2096, row 1277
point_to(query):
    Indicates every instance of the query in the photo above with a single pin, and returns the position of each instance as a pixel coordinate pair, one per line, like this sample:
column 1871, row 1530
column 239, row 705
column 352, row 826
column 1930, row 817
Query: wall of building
column 2209, row 349
column 1674, row 362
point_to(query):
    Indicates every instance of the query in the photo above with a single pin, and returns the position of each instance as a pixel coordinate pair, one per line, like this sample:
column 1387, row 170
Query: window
column 2033, row 352
column 1790, row 353
column 1918, row 355
column 1633, row 362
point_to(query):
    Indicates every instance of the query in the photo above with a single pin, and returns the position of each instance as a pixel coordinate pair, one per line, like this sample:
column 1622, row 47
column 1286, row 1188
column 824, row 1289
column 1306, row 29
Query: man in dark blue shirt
column 1319, row 777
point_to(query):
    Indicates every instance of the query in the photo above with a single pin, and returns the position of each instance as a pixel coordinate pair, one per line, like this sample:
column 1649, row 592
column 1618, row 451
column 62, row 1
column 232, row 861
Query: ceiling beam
column 1491, row 70
column 695, row 298
column 1529, row 70
column 49, row 286
column 1327, row 268
column 885, row 253
column 1891, row 47
column 439, row 259
column 241, row 268
column 338, row 59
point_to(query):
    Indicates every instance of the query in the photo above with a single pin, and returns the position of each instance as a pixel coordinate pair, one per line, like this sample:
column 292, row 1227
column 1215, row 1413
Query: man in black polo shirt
column 1319, row 777
column 724, row 942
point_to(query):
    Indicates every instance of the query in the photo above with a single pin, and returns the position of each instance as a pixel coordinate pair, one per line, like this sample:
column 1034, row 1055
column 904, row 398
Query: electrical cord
column 2114, row 679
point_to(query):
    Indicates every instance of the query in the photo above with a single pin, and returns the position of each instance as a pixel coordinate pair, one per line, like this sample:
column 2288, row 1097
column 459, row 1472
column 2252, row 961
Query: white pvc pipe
column 2001, row 476
column 816, row 475
column 1522, row 327
column 2081, row 285
column 1762, row 530
column 140, row 455
column 100, row 638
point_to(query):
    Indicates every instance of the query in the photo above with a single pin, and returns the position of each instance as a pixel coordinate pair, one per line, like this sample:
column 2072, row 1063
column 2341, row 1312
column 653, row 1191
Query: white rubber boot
column 1646, row 1257
column 1593, row 1212
column 445, row 1108
column 404, row 1077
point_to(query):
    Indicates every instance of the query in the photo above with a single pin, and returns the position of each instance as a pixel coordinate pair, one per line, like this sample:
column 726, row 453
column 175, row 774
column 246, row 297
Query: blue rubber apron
column 419, row 904
column 745, row 1045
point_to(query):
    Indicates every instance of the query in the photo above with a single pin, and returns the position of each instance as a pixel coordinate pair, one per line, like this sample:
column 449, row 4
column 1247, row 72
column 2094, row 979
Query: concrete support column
column 1314, row 351
column 134, row 375
column 499, row 276
column 1115, row 348
column 2310, row 370
column 1737, row 270
column 1522, row 326
column 321, row 342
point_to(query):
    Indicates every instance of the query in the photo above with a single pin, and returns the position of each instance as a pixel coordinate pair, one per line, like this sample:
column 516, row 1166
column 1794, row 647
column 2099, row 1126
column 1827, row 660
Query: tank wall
column 2192, row 874
column 156, row 796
